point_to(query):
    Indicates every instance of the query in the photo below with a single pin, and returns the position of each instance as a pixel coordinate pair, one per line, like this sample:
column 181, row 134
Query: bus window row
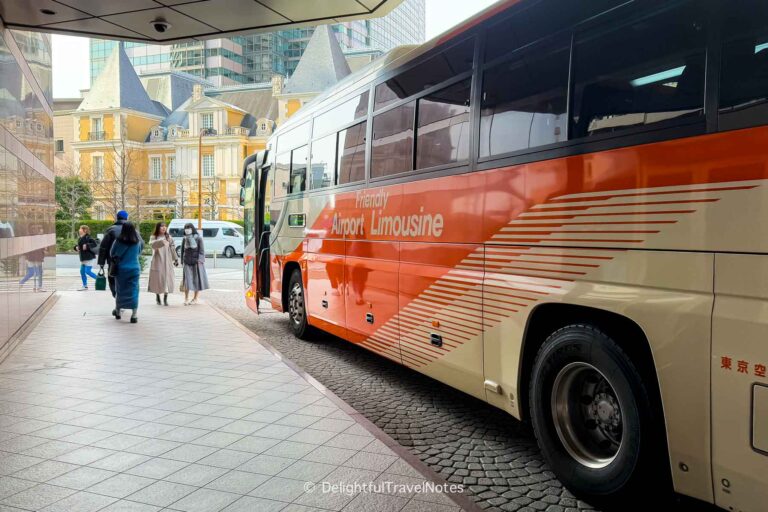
column 627, row 74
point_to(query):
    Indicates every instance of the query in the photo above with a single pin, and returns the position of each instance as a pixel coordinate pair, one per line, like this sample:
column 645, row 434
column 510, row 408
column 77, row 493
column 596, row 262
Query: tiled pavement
column 183, row 411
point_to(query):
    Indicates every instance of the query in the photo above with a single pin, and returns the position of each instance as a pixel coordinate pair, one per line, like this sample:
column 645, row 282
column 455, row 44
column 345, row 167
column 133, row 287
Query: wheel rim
column 587, row 415
column 296, row 304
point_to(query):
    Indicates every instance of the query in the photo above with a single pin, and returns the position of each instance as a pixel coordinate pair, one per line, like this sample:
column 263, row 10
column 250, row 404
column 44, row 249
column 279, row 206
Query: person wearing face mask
column 194, row 279
column 163, row 260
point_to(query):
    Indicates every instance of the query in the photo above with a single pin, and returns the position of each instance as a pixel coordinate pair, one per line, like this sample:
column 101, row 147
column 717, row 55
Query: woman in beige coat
column 164, row 258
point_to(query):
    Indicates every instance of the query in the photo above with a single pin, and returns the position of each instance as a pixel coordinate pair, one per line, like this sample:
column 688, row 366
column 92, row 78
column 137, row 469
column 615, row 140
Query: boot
column 134, row 315
column 165, row 299
column 157, row 297
column 118, row 314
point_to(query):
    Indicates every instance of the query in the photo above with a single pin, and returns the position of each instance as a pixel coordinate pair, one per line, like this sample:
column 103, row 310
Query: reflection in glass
column 392, row 148
column 351, row 154
column 324, row 162
column 443, row 133
column 648, row 72
column 21, row 112
column 524, row 102
column 282, row 173
column 443, row 66
column 341, row 115
column 299, row 170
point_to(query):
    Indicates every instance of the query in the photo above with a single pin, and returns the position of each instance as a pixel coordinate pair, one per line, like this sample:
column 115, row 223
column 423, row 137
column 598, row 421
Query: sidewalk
column 185, row 411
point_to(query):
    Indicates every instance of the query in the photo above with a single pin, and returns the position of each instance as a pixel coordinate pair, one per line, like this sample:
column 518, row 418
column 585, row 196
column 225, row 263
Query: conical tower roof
column 118, row 86
column 321, row 66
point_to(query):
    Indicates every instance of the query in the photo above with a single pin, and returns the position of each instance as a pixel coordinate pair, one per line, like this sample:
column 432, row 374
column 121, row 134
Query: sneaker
column 83, row 289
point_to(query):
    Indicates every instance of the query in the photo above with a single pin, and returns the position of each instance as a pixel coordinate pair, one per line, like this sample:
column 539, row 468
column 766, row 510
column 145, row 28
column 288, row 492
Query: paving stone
column 205, row 500
column 162, row 493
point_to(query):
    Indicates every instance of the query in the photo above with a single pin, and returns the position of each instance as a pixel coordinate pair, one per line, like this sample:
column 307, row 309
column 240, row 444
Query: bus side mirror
column 242, row 196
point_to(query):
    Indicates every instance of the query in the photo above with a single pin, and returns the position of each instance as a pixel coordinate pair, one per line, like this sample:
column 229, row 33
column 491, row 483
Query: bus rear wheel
column 297, row 306
column 594, row 420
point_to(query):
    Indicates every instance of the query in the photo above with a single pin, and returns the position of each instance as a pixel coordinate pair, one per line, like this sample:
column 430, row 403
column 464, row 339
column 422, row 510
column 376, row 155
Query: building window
column 97, row 129
column 208, row 170
column 155, row 168
column 172, row 167
column 59, row 145
column 206, row 120
column 97, row 167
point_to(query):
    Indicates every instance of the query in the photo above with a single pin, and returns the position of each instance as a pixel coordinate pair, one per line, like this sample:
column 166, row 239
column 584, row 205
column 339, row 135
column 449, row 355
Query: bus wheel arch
column 288, row 269
column 557, row 334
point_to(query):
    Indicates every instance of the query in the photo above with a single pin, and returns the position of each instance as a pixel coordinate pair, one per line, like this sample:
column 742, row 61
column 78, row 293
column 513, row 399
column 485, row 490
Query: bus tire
column 297, row 306
column 594, row 420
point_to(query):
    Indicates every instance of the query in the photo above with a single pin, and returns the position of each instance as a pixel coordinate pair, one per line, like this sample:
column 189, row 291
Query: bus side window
column 524, row 101
column 323, row 162
column 298, row 180
column 646, row 72
column 744, row 69
column 392, row 147
column 282, row 173
column 442, row 136
column 351, row 154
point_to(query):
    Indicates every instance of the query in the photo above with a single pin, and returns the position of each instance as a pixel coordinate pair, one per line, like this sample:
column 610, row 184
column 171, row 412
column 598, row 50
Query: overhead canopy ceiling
column 137, row 20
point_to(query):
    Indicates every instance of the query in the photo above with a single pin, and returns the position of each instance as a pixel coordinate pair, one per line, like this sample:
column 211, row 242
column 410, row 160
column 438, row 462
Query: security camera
column 160, row 25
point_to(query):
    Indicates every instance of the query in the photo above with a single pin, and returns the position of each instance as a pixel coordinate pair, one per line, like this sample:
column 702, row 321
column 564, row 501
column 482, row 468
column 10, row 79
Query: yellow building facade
column 143, row 156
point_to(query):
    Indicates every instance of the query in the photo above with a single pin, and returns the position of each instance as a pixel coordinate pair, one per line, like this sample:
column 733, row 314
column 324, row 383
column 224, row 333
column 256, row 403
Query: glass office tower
column 254, row 58
column 27, row 203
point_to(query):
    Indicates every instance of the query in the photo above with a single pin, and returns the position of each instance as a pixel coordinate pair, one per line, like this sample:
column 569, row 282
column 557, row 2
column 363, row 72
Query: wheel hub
column 587, row 414
column 296, row 304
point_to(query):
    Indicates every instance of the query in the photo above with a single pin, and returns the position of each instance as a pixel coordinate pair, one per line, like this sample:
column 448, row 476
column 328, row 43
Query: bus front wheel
column 297, row 306
column 593, row 418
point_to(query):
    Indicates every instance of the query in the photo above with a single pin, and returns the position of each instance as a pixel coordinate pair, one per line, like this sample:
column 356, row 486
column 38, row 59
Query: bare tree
column 122, row 189
column 182, row 194
column 211, row 187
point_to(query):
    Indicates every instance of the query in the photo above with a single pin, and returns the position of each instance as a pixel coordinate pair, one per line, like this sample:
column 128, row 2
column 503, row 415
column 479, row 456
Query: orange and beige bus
column 560, row 207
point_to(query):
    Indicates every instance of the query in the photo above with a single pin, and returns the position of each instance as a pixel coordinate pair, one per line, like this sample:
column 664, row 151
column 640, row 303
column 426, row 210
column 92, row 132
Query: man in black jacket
column 110, row 235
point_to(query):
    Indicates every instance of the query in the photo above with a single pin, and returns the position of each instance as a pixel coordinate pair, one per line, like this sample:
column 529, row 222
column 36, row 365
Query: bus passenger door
column 740, row 382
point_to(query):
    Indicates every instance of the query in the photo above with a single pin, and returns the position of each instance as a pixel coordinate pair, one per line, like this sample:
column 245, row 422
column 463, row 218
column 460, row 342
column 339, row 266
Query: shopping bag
column 101, row 281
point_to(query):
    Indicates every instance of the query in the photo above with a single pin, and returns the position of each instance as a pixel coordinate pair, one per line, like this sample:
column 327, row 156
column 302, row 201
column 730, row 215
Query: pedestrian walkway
column 185, row 411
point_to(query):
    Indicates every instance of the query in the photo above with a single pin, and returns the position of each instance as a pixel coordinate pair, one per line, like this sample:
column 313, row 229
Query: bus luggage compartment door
column 371, row 289
column 325, row 289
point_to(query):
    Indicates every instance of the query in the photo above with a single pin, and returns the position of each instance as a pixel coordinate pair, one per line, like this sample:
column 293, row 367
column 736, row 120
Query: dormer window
column 206, row 120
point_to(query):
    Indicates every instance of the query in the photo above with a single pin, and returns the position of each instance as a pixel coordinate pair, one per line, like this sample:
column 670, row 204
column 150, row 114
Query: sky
column 70, row 54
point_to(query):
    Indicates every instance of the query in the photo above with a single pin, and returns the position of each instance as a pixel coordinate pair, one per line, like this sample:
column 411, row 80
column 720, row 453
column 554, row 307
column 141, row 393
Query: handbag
column 115, row 264
column 101, row 281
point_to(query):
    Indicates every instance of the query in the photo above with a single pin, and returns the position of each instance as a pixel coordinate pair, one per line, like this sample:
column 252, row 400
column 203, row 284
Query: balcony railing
column 97, row 135
column 232, row 130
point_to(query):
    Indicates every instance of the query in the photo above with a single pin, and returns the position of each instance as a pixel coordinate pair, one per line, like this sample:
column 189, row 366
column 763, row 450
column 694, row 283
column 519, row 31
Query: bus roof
column 393, row 59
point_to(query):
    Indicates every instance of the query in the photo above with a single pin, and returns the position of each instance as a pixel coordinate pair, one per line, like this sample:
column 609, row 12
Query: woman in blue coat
column 125, row 257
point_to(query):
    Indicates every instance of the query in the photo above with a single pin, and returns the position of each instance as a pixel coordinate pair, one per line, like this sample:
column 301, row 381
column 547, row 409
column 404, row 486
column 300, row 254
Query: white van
column 219, row 236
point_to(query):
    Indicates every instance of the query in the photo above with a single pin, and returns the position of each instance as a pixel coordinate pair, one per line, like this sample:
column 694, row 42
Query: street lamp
column 203, row 131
